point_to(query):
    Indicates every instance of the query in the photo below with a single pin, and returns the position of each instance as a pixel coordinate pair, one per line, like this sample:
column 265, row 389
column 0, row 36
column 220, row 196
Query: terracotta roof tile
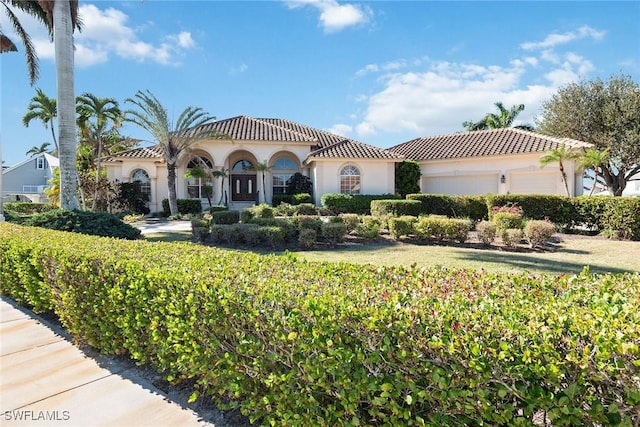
column 136, row 153
column 483, row 143
column 353, row 149
column 250, row 129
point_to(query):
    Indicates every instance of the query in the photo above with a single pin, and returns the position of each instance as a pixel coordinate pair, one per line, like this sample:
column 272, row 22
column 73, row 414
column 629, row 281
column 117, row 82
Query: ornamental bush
column 401, row 226
column 359, row 204
column 225, row 217
column 538, row 232
column 333, row 233
column 298, row 343
column 395, row 207
column 486, row 231
column 350, row 220
column 84, row 222
column 185, row 207
column 511, row 237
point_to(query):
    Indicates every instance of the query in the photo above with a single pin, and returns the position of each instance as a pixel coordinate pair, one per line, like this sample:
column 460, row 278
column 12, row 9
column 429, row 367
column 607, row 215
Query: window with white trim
column 281, row 171
column 350, row 180
column 142, row 177
column 40, row 163
column 199, row 186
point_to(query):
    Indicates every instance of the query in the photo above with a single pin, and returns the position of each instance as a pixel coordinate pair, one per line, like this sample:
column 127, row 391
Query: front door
column 243, row 188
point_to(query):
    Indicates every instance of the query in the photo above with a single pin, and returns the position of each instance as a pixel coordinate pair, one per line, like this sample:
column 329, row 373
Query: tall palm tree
column 95, row 114
column 594, row 159
column 61, row 18
column 44, row 109
column 35, row 150
column 175, row 142
column 222, row 174
column 560, row 155
column 34, row 9
column 502, row 119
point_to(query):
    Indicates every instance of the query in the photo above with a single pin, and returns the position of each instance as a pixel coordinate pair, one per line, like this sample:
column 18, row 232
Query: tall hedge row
column 300, row 343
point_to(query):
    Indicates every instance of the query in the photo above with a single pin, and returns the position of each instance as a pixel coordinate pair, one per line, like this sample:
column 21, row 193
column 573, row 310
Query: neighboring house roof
column 322, row 143
column 483, row 143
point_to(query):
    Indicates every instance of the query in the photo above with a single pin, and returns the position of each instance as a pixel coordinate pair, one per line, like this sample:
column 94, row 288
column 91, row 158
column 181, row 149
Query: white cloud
column 556, row 39
column 239, row 69
column 438, row 100
column 341, row 129
column 335, row 16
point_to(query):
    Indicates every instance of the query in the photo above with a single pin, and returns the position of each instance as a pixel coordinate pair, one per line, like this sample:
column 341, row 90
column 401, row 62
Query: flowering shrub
column 538, row 232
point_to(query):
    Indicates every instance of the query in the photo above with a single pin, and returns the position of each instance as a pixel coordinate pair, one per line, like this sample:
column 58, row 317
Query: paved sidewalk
column 47, row 381
column 162, row 225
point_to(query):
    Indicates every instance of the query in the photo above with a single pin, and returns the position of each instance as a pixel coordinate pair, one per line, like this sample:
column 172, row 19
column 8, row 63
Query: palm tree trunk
column 55, row 141
column 564, row 179
column 171, row 180
column 63, row 42
column 96, row 192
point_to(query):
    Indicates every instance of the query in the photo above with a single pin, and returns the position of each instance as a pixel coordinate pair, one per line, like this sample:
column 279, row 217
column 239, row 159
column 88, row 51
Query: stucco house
column 333, row 163
column 494, row 161
column 27, row 180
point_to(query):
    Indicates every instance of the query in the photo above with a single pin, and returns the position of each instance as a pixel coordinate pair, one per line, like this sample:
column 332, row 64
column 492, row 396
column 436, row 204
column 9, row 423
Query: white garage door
column 533, row 183
column 461, row 184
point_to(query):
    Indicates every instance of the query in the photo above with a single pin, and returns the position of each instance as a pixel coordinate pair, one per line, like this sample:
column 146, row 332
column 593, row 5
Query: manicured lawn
column 570, row 255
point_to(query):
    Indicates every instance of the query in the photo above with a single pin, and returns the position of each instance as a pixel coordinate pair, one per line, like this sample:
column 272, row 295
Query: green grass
column 570, row 255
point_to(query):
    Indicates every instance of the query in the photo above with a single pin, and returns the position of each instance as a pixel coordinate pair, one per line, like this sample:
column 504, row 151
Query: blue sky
column 381, row 72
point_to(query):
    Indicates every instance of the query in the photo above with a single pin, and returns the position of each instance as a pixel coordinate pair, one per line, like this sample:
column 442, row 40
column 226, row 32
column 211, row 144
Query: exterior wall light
column 503, row 179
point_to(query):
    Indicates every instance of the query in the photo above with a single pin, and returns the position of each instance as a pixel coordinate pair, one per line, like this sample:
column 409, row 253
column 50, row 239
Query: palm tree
column 94, row 116
column 7, row 45
column 594, row 159
column 222, row 174
column 263, row 168
column 503, row 119
column 35, row 150
column 560, row 155
column 44, row 109
column 175, row 142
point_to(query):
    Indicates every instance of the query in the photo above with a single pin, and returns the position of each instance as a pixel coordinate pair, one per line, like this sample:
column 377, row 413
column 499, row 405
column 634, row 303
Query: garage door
column 461, row 184
column 533, row 183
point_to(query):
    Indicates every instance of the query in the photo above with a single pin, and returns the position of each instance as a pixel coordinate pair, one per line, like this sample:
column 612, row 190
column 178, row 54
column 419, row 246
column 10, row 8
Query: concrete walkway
column 162, row 225
column 47, row 381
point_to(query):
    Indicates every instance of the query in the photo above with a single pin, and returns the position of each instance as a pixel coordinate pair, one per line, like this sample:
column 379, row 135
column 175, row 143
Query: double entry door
column 243, row 188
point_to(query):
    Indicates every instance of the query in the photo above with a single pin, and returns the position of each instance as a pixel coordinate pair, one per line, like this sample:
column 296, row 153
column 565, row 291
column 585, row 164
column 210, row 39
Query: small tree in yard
column 560, row 155
column 407, row 177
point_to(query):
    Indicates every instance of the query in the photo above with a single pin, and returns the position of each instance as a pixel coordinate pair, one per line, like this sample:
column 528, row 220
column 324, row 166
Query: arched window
column 282, row 169
column 199, row 185
column 350, row 180
column 142, row 177
column 242, row 166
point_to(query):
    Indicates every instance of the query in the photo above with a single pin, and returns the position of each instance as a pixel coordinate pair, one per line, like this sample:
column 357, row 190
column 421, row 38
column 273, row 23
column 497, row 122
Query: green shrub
column 93, row 223
column 300, row 198
column 438, row 227
column 307, row 238
column 287, row 226
column 185, row 206
column 457, row 229
column 307, row 221
column 27, row 208
column 538, row 232
column 511, row 237
column 435, row 204
column 305, row 209
column 279, row 199
column 357, row 203
column 218, row 208
column 333, row 233
column 350, row 220
column 369, row 228
column 486, row 231
column 407, row 177
column 557, row 209
column 262, row 211
column 395, row 207
column 298, row 343
column 505, row 220
column 225, row 217
column 401, row 226
column 623, row 216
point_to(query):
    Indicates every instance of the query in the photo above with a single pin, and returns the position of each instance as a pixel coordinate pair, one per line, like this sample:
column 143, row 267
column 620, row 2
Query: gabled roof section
column 250, row 129
column 52, row 162
column 154, row 152
column 348, row 149
column 323, row 138
column 483, row 143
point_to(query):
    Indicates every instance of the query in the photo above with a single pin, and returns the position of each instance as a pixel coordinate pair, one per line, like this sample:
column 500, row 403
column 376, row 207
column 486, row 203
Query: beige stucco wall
column 509, row 166
column 122, row 171
column 376, row 176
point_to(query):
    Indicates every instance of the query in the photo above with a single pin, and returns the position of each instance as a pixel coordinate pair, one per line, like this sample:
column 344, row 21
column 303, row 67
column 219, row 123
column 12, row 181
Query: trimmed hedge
column 383, row 208
column 312, row 344
column 185, row 206
column 558, row 209
column 84, row 222
column 359, row 204
column 472, row 207
column 27, row 208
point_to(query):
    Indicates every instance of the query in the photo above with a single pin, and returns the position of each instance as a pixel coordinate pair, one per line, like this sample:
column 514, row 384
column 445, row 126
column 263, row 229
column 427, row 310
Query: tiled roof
column 136, row 153
column 353, row 150
column 250, row 129
column 482, row 143
column 322, row 137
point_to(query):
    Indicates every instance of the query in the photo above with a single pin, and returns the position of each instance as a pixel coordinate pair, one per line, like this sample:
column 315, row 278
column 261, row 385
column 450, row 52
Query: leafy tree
column 407, row 177
column 44, row 109
column 95, row 115
column 35, row 150
column 175, row 142
column 605, row 114
column 560, row 155
column 502, row 119
column 299, row 183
